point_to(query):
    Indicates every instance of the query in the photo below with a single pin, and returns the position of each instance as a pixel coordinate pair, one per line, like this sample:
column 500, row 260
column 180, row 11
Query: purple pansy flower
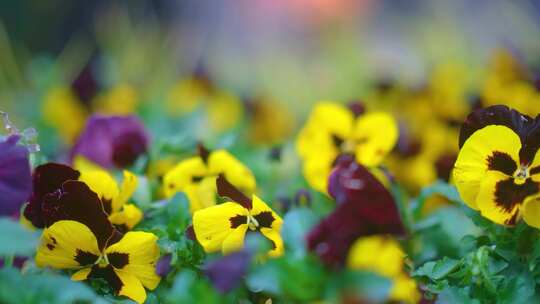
column 112, row 141
column 15, row 176
column 227, row 272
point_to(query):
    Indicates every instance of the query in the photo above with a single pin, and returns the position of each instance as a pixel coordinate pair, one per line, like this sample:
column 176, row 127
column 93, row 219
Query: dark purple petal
column 364, row 207
column 163, row 266
column 46, row 179
column 228, row 190
column 227, row 272
column 15, row 176
column 112, row 141
column 85, row 85
column 357, row 108
column 444, row 165
column 75, row 201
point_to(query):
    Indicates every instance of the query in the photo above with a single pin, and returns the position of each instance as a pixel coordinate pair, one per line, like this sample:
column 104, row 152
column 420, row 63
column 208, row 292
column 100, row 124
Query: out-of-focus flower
column 47, row 180
column 498, row 166
column 15, row 176
column 163, row 266
column 333, row 130
column 269, row 121
column 80, row 237
column 62, row 110
column 382, row 255
column 112, row 141
column 224, row 226
column 227, row 272
column 114, row 198
column 119, row 100
column 223, row 109
column 365, row 207
column 196, row 176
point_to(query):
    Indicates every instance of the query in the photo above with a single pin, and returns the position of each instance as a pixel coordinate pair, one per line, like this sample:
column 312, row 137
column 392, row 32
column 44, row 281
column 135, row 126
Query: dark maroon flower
column 15, row 176
column 364, row 207
column 112, row 141
column 85, row 84
column 444, row 165
column 357, row 107
column 46, row 179
column 227, row 272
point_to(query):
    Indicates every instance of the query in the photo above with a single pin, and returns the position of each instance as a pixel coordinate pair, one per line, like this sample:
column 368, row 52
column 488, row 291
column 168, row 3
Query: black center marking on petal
column 51, row 247
column 502, row 162
column 265, row 219
column 338, row 141
column 85, row 258
column 196, row 179
column 107, row 273
column 534, row 170
column 508, row 194
column 118, row 260
column 238, row 220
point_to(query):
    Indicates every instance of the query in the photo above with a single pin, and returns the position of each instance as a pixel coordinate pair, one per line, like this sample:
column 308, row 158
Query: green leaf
column 296, row 224
column 42, row 288
column 439, row 187
column 16, row 239
column 454, row 295
column 437, row 270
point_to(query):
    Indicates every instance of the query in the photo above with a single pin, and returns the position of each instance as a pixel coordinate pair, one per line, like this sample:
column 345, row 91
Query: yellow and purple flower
column 78, row 236
column 223, row 227
column 497, row 171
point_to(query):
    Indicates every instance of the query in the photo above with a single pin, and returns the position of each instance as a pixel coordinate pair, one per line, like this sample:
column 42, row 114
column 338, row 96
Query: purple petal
column 15, row 176
column 227, row 272
column 112, row 141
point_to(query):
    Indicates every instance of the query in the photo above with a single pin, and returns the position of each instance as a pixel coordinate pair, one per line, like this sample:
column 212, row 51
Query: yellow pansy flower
column 70, row 120
column 223, row 227
column 382, row 255
column 332, row 129
column 498, row 166
column 196, row 176
column 127, row 265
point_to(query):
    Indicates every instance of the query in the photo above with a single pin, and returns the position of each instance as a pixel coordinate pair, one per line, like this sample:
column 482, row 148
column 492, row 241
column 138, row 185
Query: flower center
column 252, row 222
column 348, row 146
column 102, row 261
column 521, row 175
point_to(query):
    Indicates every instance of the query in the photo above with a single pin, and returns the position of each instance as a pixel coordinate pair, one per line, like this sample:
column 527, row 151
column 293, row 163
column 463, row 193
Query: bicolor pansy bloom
column 498, row 167
column 196, row 176
column 223, row 227
column 383, row 256
column 364, row 207
column 333, row 130
column 78, row 236
column 115, row 198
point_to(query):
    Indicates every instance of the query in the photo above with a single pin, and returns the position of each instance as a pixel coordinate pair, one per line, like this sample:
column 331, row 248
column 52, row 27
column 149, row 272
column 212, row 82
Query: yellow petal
column 202, row 194
column 128, row 187
column 375, row 134
column 235, row 240
column 131, row 286
column 182, row 175
column 82, row 163
column 212, row 225
column 531, row 211
column 63, row 242
column 495, row 189
column 130, row 215
column 81, row 275
column 143, row 252
column 274, row 236
column 104, row 185
column 222, row 162
column 379, row 254
column 404, row 290
column 472, row 162
column 317, row 169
